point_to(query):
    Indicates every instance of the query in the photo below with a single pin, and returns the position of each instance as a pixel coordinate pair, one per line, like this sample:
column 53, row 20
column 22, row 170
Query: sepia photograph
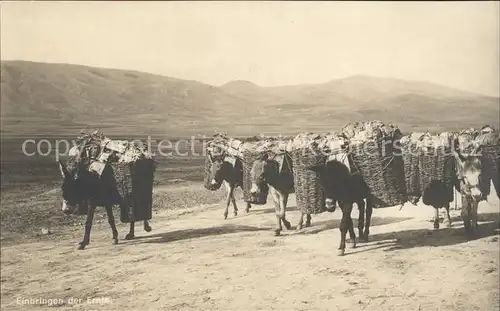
column 250, row 155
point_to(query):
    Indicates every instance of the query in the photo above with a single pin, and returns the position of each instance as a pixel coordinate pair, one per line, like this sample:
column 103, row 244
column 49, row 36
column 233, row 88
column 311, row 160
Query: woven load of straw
column 409, row 152
column 251, row 150
column 134, row 182
column 375, row 158
column 489, row 150
column 436, row 161
column 305, row 152
column 466, row 140
column 103, row 149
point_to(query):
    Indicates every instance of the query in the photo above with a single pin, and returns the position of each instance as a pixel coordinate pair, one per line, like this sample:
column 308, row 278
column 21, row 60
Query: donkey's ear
column 62, row 168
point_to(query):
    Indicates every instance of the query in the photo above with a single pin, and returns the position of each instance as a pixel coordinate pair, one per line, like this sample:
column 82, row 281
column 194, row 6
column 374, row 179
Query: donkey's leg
column 436, row 217
column 228, row 198
column 283, row 202
column 473, row 217
column 88, row 227
column 233, row 200
column 368, row 220
column 361, row 218
column 352, row 235
column 448, row 217
column 466, row 213
column 111, row 221
column 278, row 229
column 300, row 222
column 147, row 227
column 344, row 227
column 308, row 220
column 131, row 234
column 247, row 209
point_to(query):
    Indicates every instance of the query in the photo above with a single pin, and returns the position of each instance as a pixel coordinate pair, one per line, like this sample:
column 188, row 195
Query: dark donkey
column 346, row 188
column 276, row 172
column 469, row 169
column 80, row 185
column 227, row 170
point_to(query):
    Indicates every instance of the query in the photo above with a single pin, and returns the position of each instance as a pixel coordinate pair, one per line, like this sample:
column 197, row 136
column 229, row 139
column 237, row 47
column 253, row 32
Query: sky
column 267, row 43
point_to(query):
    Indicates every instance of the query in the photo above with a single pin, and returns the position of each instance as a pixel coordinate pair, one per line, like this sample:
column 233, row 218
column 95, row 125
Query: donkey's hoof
column 225, row 215
column 115, row 241
column 341, row 252
column 308, row 224
column 147, row 228
column 129, row 237
column 81, row 246
column 353, row 244
column 277, row 232
column 287, row 224
column 247, row 210
column 235, row 213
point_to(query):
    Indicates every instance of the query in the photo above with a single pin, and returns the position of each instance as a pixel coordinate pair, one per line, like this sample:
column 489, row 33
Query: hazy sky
column 273, row 43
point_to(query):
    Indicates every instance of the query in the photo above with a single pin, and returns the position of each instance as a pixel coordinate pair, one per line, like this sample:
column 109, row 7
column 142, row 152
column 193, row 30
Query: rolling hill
column 60, row 99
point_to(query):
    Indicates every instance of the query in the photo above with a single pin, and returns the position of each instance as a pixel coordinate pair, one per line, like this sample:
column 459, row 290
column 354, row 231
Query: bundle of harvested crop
column 308, row 191
column 372, row 150
column 96, row 146
column 436, row 161
column 409, row 152
column 251, row 151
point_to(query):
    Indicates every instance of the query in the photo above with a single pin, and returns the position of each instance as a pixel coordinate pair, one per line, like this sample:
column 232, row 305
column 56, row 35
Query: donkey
column 227, row 170
column 342, row 186
column 82, row 186
column 468, row 184
column 276, row 172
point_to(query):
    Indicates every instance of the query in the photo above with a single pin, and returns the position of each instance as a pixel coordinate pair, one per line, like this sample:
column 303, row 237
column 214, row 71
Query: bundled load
column 409, row 152
column 251, row 150
column 436, row 161
column 374, row 156
column 465, row 140
column 488, row 143
column 132, row 166
column 306, row 151
column 221, row 147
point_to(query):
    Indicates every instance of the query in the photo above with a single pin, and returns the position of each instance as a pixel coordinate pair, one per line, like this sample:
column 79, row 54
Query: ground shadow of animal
column 335, row 223
column 272, row 210
column 186, row 234
column 444, row 237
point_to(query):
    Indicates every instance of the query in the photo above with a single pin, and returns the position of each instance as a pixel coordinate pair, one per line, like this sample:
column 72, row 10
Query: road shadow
column 427, row 237
column 187, row 234
column 320, row 226
column 272, row 210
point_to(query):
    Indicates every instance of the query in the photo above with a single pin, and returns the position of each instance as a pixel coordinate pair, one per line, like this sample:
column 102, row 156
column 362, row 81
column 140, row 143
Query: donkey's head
column 219, row 169
column 265, row 171
column 71, row 190
column 469, row 173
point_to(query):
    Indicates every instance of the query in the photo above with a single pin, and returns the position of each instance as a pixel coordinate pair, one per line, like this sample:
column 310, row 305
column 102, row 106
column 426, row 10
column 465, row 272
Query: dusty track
column 196, row 260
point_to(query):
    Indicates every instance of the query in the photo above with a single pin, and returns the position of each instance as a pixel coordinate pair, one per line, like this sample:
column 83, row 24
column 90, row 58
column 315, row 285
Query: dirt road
column 195, row 260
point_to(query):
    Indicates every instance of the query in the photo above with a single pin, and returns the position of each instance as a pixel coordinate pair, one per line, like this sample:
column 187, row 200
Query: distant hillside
column 52, row 99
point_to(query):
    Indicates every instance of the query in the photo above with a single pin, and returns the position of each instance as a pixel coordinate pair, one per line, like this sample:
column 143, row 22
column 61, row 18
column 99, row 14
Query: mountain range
column 61, row 99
